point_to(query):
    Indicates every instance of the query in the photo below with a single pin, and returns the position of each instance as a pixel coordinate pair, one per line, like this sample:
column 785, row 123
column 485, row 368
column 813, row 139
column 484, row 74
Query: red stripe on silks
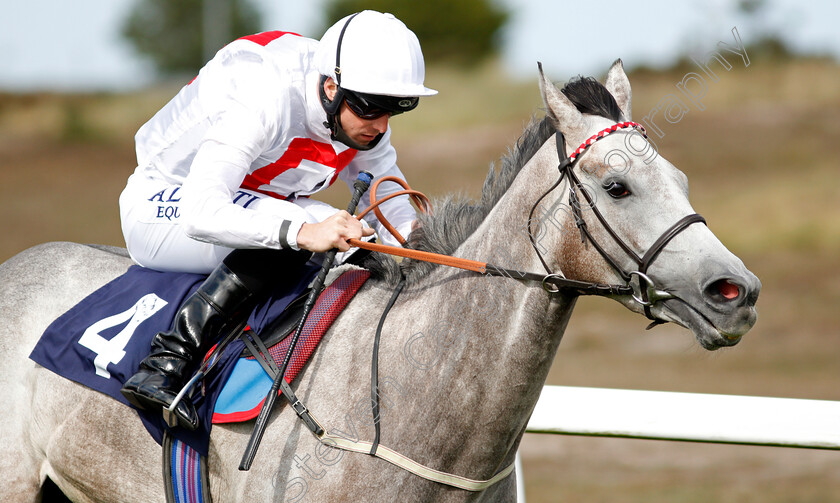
column 265, row 38
column 299, row 149
column 262, row 39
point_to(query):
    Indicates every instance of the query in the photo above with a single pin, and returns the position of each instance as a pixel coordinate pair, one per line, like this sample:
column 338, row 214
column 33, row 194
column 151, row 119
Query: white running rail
column 694, row 417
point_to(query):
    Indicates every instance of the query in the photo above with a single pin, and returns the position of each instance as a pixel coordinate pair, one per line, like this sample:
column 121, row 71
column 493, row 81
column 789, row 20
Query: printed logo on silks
column 169, row 208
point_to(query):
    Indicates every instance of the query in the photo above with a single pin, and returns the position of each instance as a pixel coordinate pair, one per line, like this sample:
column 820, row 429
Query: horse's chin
column 708, row 335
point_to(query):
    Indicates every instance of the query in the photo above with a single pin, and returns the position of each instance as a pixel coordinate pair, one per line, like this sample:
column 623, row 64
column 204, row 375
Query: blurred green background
column 762, row 161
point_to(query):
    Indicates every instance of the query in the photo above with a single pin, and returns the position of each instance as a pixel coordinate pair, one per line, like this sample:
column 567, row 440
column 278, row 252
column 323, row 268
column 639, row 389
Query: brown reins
column 553, row 283
column 418, row 197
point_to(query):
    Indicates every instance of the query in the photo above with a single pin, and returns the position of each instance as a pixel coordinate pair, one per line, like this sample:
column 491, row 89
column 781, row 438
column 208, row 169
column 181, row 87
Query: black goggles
column 373, row 106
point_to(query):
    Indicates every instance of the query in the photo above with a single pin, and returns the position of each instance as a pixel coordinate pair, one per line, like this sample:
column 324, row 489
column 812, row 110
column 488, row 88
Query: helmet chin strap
column 340, row 135
column 333, row 122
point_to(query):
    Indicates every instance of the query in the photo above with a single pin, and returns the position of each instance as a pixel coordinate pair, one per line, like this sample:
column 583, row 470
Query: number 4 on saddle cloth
column 99, row 343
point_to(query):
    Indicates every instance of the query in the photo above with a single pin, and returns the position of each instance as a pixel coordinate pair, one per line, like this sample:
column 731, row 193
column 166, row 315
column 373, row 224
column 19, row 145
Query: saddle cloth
column 100, row 342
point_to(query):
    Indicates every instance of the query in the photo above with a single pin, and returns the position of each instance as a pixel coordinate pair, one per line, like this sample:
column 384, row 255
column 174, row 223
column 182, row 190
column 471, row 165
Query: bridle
column 556, row 282
column 648, row 294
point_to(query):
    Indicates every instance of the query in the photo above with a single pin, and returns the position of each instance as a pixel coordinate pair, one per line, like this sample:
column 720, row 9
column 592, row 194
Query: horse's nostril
column 725, row 289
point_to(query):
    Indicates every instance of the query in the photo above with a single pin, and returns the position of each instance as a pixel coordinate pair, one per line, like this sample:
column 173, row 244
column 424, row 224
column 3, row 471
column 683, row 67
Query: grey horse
column 463, row 357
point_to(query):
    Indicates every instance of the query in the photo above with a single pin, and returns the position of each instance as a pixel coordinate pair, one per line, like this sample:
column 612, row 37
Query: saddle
column 282, row 326
column 260, row 356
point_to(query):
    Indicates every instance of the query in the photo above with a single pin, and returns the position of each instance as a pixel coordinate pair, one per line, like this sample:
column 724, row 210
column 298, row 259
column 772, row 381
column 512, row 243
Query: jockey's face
column 361, row 131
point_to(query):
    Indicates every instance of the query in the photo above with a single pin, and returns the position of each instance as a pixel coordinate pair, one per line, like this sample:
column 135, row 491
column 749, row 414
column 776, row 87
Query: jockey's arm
column 209, row 212
column 211, row 216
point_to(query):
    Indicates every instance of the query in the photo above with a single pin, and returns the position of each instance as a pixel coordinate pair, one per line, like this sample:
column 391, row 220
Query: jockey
column 226, row 168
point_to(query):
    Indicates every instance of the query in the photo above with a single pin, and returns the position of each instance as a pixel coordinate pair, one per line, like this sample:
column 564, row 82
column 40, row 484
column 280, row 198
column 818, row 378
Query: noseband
column 648, row 294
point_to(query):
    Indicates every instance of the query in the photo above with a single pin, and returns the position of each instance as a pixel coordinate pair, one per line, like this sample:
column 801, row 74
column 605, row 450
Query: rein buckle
column 299, row 408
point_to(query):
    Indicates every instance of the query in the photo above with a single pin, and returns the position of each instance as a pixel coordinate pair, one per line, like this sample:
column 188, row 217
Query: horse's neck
column 517, row 315
column 497, row 336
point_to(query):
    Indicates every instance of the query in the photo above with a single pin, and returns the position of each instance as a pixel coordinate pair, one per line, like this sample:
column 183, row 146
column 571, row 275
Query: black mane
column 591, row 97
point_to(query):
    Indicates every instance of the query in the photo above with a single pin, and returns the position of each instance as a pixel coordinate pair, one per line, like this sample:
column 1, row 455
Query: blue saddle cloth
column 100, row 342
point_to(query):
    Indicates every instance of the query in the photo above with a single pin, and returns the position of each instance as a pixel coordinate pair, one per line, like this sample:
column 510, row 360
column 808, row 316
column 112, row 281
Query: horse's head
column 680, row 271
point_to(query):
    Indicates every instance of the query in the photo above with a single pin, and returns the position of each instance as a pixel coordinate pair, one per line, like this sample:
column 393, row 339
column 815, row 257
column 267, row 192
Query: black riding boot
column 216, row 307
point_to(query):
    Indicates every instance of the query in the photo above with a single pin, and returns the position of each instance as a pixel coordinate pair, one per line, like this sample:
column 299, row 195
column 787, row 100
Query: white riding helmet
column 375, row 53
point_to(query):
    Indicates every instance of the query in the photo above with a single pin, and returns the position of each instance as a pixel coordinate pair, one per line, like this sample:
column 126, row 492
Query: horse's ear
column 564, row 114
column 619, row 86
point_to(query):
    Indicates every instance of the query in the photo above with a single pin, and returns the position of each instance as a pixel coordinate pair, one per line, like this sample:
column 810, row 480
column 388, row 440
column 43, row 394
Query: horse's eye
column 616, row 190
